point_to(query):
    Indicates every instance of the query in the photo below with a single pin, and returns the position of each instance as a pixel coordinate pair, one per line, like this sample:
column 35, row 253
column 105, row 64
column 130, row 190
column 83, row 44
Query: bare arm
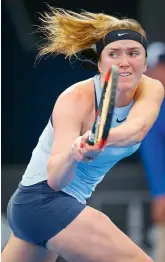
column 142, row 116
column 67, row 118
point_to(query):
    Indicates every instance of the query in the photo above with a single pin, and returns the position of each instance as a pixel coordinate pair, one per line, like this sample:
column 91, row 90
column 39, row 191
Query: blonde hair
column 69, row 32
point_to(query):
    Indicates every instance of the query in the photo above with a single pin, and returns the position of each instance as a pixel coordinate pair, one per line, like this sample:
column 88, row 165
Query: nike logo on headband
column 122, row 34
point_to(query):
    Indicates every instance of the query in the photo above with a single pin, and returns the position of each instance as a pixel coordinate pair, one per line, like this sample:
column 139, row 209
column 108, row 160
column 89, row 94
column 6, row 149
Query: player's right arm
column 67, row 120
column 69, row 113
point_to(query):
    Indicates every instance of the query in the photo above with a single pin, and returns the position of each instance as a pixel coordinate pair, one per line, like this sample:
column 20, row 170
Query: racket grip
column 90, row 140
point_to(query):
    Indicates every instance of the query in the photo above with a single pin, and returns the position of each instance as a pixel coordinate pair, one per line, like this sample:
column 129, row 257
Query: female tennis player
column 49, row 207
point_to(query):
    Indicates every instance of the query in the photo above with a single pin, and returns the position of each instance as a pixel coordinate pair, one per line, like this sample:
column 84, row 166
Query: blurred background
column 30, row 89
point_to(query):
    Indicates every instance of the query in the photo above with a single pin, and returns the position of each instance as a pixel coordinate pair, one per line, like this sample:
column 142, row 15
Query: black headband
column 120, row 34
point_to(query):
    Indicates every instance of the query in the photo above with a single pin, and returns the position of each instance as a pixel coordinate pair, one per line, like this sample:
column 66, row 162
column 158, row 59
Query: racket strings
column 104, row 111
column 102, row 124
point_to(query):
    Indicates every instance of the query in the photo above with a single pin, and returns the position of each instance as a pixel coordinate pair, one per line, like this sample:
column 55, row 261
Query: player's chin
column 124, row 86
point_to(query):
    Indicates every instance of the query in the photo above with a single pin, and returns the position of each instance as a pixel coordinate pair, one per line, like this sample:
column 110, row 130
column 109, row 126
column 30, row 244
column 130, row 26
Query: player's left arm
column 148, row 99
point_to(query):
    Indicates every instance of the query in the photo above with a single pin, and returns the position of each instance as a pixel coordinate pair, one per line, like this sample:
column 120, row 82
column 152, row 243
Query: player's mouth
column 125, row 74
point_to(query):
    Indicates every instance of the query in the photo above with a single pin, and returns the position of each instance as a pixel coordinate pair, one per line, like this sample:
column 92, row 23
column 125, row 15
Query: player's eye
column 113, row 54
column 134, row 53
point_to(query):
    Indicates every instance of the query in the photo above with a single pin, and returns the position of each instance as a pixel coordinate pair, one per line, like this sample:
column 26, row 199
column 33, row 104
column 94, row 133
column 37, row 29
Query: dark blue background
column 28, row 91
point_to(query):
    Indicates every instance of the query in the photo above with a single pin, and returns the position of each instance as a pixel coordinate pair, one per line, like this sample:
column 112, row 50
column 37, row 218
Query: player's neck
column 124, row 98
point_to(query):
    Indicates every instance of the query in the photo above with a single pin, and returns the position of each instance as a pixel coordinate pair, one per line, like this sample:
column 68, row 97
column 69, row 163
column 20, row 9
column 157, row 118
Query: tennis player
column 48, row 210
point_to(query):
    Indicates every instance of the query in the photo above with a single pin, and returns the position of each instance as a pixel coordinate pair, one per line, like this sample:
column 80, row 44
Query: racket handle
column 90, row 140
column 91, row 143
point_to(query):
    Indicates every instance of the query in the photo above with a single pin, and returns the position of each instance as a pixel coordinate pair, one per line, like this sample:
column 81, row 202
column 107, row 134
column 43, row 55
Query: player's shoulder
column 81, row 88
column 78, row 95
column 149, row 83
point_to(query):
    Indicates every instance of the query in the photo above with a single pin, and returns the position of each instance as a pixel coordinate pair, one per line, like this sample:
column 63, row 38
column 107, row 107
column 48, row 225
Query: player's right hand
column 81, row 150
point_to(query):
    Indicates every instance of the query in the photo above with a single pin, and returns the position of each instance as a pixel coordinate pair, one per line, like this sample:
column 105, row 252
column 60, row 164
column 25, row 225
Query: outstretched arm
column 148, row 100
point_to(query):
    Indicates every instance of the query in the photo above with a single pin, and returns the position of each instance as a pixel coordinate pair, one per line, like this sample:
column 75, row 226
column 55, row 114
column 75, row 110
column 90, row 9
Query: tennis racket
column 102, row 124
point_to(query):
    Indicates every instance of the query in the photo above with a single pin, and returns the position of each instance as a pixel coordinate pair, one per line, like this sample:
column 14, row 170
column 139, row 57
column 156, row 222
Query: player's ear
column 145, row 69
